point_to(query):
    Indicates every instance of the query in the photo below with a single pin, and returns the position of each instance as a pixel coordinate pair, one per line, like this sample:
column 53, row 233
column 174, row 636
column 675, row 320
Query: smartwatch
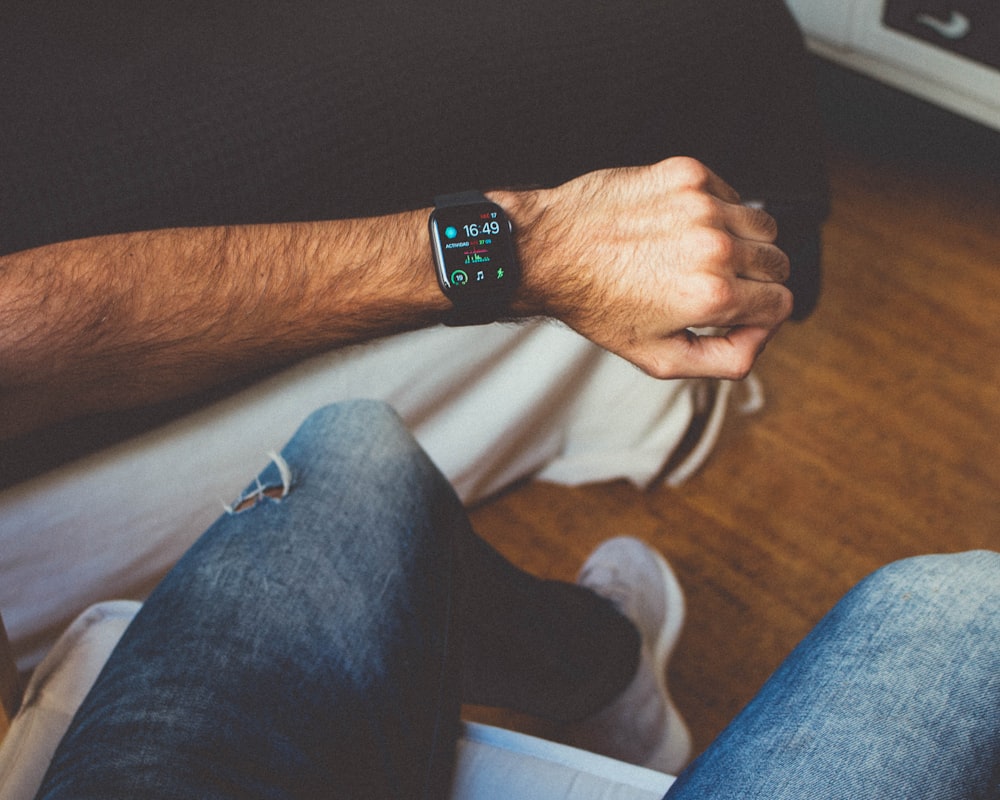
column 473, row 244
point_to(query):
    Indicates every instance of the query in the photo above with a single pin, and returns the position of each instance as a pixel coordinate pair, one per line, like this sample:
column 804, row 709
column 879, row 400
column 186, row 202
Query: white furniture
column 493, row 764
column 949, row 57
column 491, row 404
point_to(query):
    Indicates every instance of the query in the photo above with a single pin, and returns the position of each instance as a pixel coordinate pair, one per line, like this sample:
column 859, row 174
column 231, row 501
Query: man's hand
column 636, row 259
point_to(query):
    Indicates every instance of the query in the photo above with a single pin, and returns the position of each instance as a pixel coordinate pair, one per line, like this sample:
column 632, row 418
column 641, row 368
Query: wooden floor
column 880, row 438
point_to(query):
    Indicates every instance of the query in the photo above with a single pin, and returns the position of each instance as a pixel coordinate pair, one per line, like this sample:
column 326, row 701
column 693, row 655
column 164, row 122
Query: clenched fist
column 639, row 259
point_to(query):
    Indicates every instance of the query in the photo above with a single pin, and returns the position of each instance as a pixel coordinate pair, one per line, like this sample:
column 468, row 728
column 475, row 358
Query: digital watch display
column 472, row 241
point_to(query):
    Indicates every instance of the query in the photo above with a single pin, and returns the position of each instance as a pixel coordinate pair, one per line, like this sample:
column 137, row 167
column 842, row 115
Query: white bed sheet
column 491, row 405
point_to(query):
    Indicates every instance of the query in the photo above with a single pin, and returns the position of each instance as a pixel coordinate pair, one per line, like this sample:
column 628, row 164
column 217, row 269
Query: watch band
column 459, row 199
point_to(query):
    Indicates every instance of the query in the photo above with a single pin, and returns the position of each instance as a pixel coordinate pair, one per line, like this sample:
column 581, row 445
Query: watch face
column 474, row 252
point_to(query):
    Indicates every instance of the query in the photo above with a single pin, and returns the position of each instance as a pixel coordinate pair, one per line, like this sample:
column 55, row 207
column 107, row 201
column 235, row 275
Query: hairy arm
column 122, row 320
column 632, row 259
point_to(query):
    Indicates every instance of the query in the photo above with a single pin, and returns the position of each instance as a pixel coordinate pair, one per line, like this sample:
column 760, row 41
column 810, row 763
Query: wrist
column 527, row 210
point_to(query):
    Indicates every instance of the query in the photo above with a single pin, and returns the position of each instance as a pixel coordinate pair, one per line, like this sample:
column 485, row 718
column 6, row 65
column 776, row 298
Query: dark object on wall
column 970, row 28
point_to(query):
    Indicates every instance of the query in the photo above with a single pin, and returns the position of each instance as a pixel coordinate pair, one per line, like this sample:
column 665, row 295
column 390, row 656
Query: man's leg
column 300, row 647
column 895, row 694
column 311, row 643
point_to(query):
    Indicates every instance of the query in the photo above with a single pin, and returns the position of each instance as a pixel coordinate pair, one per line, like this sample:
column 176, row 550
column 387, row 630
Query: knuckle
column 686, row 171
column 716, row 246
column 738, row 364
column 714, row 297
column 739, row 371
column 663, row 369
column 703, row 209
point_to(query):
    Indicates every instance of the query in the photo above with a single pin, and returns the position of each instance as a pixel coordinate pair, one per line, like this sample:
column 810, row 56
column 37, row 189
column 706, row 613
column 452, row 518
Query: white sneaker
column 642, row 726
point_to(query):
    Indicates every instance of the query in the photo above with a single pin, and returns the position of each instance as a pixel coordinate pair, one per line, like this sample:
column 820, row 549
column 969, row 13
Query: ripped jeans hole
column 257, row 495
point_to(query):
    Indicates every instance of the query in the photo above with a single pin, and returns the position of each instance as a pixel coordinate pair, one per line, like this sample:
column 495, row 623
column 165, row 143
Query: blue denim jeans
column 319, row 640
column 894, row 694
column 320, row 644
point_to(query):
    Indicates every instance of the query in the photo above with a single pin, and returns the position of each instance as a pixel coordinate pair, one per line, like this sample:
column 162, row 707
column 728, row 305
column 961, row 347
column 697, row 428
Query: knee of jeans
column 347, row 423
column 368, row 437
column 365, row 413
column 955, row 587
column 338, row 426
column 935, row 573
column 275, row 484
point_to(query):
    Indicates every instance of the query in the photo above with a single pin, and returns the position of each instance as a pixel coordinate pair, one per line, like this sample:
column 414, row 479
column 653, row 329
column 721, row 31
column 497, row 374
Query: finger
column 764, row 305
column 761, row 261
column 715, row 185
column 718, row 187
column 729, row 355
column 751, row 223
column 744, row 302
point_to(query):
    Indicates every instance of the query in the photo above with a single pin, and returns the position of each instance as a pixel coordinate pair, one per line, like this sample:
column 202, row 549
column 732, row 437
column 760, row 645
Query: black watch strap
column 459, row 199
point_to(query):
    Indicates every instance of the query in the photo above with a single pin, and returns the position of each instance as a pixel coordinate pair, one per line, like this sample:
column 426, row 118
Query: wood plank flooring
column 880, row 437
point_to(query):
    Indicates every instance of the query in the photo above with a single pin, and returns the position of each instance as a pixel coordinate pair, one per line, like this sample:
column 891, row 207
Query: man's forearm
column 122, row 320
column 633, row 259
